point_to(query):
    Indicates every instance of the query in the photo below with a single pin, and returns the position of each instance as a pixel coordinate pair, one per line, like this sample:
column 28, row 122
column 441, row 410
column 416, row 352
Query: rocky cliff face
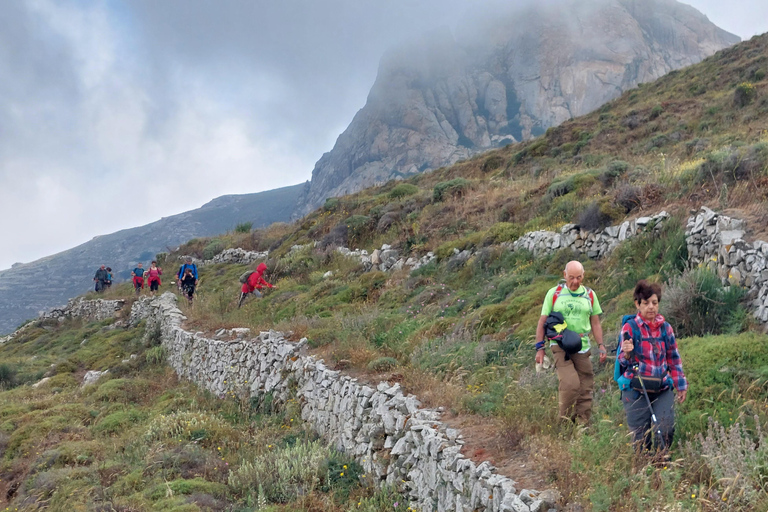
column 505, row 79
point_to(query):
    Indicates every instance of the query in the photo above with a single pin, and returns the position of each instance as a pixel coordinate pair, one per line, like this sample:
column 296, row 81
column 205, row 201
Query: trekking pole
column 654, row 421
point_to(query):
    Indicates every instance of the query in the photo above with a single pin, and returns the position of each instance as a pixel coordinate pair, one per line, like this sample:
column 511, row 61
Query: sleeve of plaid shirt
column 674, row 363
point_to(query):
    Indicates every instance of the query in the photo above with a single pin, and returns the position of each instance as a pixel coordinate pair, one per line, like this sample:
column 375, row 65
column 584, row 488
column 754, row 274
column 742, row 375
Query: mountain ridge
column 24, row 293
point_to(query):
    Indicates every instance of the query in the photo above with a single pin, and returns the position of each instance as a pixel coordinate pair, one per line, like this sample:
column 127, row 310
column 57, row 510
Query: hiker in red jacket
column 254, row 284
column 153, row 277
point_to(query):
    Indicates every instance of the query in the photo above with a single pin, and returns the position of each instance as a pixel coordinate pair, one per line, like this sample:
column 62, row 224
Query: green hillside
column 458, row 334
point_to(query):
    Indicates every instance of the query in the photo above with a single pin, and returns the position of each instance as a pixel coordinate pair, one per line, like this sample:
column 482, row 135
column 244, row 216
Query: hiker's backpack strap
column 591, row 295
column 618, row 369
column 556, row 295
column 665, row 339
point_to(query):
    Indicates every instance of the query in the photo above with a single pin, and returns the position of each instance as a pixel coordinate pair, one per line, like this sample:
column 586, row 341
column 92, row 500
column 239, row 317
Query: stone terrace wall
column 92, row 310
column 236, row 256
column 396, row 441
column 594, row 244
column 717, row 242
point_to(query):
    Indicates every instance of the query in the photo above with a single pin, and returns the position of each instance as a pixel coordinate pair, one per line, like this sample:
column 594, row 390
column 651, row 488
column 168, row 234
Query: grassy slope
column 460, row 335
column 141, row 440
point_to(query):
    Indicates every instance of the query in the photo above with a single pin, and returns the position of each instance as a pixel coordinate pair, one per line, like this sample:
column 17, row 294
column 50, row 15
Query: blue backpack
column 637, row 336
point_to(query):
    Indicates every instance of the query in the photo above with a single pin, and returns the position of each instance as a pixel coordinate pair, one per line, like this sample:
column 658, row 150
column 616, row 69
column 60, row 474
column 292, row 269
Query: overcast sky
column 114, row 114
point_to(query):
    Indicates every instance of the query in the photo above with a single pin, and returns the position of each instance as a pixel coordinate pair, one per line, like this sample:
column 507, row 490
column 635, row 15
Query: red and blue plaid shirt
column 652, row 358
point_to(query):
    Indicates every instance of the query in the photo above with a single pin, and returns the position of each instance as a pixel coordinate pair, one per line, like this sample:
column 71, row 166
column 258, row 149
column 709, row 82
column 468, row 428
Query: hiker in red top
column 153, row 277
column 254, row 284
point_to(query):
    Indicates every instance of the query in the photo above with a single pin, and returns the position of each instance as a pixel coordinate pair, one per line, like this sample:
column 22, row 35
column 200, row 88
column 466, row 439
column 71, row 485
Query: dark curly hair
column 644, row 290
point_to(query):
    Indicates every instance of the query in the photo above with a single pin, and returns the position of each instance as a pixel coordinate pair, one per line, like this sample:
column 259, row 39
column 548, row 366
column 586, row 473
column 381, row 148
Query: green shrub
column 198, row 427
column 342, row 475
column 383, row 500
column 357, row 227
column 213, row 248
column 656, row 111
column 598, row 215
column 118, row 421
column 445, row 250
column 492, row 163
column 331, row 204
column 615, row 169
column 503, row 232
column 538, row 148
column 382, row 364
column 283, row 474
column 244, row 227
column 744, row 94
column 697, row 303
column 7, row 376
column 663, row 254
column 187, row 487
column 561, row 188
column 403, row 190
column 155, row 355
column 453, row 188
column 736, row 458
column 121, row 390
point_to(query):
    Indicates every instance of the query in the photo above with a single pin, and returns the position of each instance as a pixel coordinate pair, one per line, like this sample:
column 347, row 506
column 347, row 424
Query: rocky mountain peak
column 503, row 78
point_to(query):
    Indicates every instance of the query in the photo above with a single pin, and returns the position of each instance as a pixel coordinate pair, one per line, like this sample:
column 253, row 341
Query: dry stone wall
column 593, row 244
column 389, row 434
column 717, row 242
column 92, row 310
column 235, row 256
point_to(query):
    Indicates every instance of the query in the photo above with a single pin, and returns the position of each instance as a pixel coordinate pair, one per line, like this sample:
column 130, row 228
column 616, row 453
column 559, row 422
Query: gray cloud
column 113, row 114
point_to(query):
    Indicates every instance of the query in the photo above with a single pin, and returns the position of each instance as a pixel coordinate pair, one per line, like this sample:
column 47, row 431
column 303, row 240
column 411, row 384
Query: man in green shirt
column 580, row 308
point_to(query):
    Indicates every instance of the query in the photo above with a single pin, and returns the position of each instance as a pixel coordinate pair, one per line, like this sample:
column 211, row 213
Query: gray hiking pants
column 639, row 417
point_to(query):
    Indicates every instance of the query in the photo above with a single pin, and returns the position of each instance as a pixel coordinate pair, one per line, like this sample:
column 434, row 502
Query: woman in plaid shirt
column 649, row 348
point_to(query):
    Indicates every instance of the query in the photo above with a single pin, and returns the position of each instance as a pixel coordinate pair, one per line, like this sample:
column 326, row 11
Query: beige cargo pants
column 577, row 381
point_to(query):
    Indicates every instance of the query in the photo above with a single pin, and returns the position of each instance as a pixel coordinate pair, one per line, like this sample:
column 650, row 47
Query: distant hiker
column 153, row 277
column 138, row 278
column 579, row 308
column 648, row 366
column 253, row 283
column 187, row 265
column 188, row 284
column 101, row 278
column 109, row 278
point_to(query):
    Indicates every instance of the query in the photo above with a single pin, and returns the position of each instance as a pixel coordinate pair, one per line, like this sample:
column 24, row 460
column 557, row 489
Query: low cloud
column 115, row 114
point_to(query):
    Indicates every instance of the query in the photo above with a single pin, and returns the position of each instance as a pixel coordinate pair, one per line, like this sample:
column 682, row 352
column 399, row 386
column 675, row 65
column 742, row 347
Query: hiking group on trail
column 647, row 364
column 647, row 367
column 187, row 279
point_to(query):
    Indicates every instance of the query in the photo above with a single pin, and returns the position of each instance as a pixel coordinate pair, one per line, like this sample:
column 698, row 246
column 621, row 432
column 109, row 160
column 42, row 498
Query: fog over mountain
column 158, row 107
column 503, row 79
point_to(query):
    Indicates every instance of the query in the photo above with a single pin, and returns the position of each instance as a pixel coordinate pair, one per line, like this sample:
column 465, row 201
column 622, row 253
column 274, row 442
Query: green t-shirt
column 575, row 309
